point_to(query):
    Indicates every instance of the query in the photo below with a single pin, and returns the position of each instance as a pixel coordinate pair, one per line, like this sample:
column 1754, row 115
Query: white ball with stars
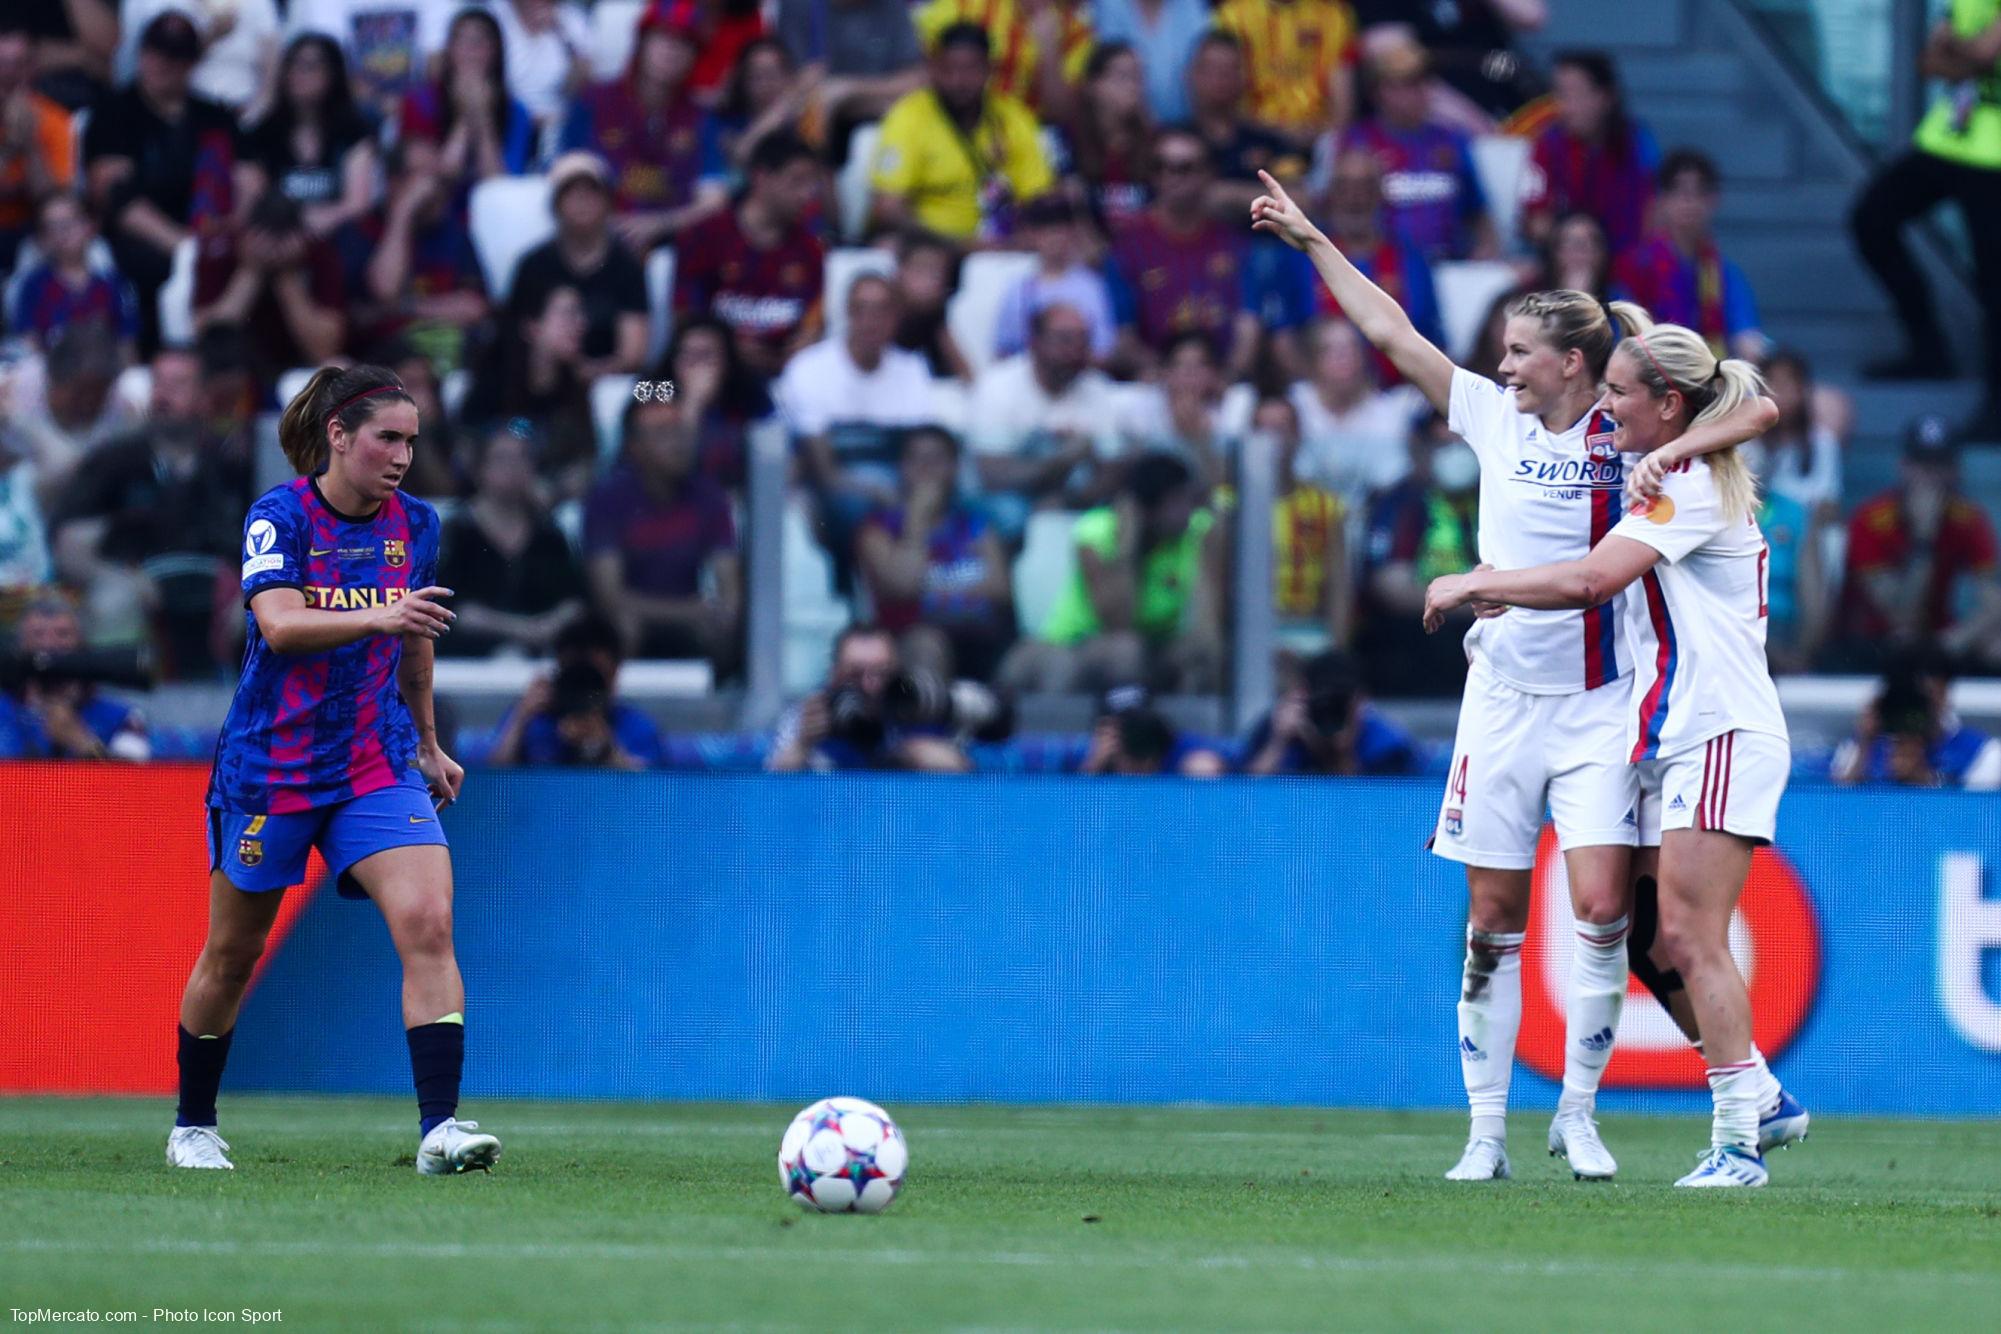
column 843, row 1155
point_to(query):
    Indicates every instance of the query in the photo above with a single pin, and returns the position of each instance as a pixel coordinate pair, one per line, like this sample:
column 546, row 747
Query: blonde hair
column 1573, row 321
column 1669, row 356
column 348, row 395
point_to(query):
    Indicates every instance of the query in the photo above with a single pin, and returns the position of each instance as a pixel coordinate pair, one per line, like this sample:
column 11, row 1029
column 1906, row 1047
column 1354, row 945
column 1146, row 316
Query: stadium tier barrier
column 913, row 939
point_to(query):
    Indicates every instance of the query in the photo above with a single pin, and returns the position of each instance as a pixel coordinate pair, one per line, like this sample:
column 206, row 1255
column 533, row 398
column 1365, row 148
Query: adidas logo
column 1677, row 804
column 1599, row 1041
column 1469, row 1051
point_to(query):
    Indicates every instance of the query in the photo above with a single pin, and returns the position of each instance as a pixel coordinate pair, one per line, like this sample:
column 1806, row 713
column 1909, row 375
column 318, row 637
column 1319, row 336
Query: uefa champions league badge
column 653, row 391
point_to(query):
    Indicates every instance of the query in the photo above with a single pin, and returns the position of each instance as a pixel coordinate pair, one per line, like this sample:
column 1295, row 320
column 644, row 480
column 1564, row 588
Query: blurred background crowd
column 974, row 276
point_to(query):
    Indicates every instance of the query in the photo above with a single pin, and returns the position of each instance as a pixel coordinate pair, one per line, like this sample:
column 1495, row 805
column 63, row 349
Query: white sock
column 1597, row 995
column 1768, row 1084
column 1490, row 1014
column 1734, row 1089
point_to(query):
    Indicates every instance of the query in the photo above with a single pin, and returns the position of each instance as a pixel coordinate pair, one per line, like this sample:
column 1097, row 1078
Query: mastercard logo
column 1660, row 509
column 1774, row 937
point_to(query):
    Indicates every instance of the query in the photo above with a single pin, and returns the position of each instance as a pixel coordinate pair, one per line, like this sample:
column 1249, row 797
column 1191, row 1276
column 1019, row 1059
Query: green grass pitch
column 670, row 1216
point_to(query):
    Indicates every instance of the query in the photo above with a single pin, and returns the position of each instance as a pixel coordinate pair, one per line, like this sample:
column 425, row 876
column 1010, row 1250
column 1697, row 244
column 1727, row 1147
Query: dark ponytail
column 350, row 395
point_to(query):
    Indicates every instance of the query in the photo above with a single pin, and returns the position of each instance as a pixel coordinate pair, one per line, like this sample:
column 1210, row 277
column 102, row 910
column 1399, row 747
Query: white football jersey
column 1696, row 621
column 1543, row 498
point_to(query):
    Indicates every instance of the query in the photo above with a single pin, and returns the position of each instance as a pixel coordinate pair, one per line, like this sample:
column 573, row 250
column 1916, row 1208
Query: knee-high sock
column 201, row 1058
column 437, row 1054
column 1597, row 995
column 1734, row 1090
column 1490, row 1014
column 1768, row 1084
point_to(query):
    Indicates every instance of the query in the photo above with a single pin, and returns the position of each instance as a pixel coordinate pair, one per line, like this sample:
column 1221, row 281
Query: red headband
column 1665, row 378
column 379, row 389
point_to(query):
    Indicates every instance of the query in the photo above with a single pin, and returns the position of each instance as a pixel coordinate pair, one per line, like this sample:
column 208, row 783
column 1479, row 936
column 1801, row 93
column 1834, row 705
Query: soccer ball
column 842, row 1155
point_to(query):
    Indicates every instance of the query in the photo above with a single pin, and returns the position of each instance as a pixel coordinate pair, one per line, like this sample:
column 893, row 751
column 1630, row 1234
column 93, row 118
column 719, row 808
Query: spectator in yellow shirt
column 956, row 157
column 1039, row 47
column 1302, row 59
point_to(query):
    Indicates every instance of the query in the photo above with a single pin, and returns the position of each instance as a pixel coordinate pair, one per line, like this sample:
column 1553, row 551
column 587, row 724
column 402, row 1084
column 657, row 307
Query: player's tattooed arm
column 1611, row 565
column 1742, row 424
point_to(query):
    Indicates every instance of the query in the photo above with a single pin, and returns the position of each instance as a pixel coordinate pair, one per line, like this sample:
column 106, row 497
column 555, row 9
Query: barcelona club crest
column 249, row 851
column 392, row 553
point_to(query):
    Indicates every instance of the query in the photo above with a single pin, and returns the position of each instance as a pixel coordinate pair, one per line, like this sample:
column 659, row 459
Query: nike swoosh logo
column 327, row 552
column 420, row 819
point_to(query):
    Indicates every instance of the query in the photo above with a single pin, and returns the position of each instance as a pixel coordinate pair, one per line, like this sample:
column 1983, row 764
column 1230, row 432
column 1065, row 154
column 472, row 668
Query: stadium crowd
column 198, row 197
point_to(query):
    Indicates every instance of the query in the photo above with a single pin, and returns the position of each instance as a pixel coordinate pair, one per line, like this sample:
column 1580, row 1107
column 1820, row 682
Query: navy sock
column 201, row 1060
column 437, row 1055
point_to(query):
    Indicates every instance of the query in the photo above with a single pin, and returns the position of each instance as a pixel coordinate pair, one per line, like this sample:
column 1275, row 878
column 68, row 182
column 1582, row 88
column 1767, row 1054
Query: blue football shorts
column 261, row 852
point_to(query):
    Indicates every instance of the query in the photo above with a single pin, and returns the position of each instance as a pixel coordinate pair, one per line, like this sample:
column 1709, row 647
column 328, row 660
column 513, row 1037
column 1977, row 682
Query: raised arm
column 1371, row 309
column 1743, row 424
column 1611, row 565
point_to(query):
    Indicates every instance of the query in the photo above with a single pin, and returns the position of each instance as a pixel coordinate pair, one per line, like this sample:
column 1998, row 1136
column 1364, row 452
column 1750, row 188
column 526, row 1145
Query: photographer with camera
column 872, row 714
column 1324, row 724
column 576, row 717
column 1132, row 738
column 49, row 705
column 1909, row 736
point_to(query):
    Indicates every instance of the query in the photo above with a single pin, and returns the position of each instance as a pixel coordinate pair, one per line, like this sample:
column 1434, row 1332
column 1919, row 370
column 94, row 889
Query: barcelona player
column 331, row 742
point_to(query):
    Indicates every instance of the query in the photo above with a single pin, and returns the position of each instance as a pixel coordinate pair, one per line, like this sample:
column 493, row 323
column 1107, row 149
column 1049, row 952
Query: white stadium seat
column 659, row 303
column 1047, row 563
column 614, row 24
column 291, row 383
column 951, row 405
column 1498, row 159
column 609, row 395
column 844, row 265
column 510, row 216
column 974, row 312
column 1466, row 288
column 813, row 615
column 134, row 388
column 851, row 190
column 177, row 298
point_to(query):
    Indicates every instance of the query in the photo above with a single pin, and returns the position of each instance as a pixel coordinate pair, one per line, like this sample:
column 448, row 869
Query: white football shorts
column 1518, row 755
column 1731, row 782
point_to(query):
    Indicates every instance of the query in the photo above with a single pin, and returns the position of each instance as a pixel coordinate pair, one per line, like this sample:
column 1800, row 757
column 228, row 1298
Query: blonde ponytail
column 1669, row 356
column 350, row 395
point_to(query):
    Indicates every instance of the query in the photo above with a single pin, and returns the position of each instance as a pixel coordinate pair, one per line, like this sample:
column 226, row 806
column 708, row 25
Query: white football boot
column 1574, row 1135
column 197, row 1146
column 1728, row 1166
column 455, row 1146
column 1485, row 1159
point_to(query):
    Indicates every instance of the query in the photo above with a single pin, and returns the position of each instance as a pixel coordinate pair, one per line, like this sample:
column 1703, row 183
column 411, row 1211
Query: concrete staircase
column 1696, row 72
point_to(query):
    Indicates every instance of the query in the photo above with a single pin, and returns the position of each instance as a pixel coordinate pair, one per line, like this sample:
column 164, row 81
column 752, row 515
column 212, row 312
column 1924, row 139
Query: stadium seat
column 134, row 388
column 1499, row 159
column 614, row 24
column 291, row 382
column 510, row 216
column 453, row 389
column 951, row 404
column 844, row 265
column 974, row 312
column 609, row 395
column 1465, row 291
column 813, row 615
column 177, row 298
column 851, row 189
column 1047, row 563
column 659, row 303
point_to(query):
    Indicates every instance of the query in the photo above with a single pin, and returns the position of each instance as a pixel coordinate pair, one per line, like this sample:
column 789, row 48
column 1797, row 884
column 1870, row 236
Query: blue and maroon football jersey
column 767, row 295
column 312, row 729
column 1429, row 186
